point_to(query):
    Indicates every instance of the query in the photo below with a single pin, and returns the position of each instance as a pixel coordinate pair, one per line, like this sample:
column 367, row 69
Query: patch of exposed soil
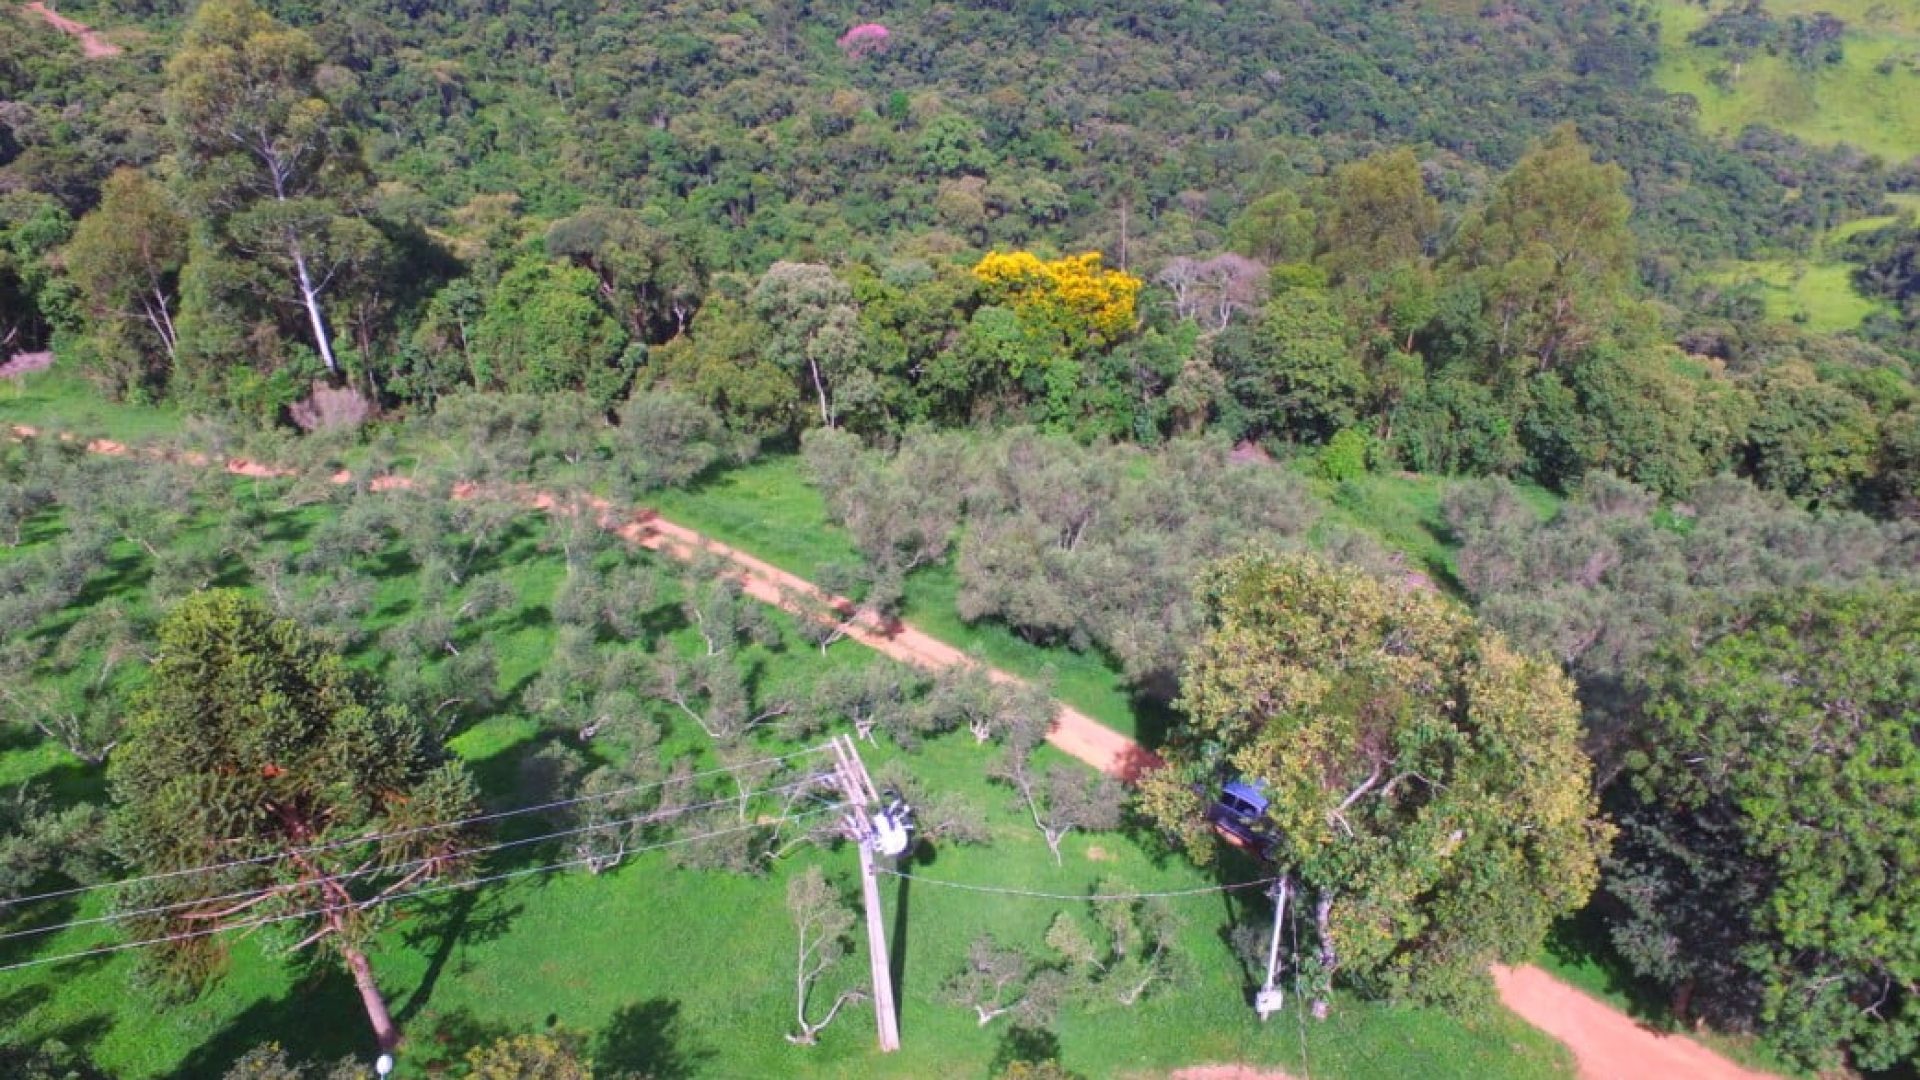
column 21, row 363
column 92, row 45
column 1607, row 1044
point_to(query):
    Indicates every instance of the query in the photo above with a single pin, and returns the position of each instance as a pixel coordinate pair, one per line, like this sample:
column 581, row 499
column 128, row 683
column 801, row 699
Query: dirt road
column 92, row 45
column 1073, row 731
column 1606, row 1044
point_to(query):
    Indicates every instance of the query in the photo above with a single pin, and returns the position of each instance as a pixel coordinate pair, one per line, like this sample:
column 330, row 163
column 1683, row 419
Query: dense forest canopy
column 1463, row 242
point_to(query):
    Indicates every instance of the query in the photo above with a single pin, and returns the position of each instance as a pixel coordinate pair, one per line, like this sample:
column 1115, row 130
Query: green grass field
column 57, row 401
column 767, row 509
column 1818, row 295
column 688, row 973
column 1817, row 291
column 1403, row 510
column 1851, row 102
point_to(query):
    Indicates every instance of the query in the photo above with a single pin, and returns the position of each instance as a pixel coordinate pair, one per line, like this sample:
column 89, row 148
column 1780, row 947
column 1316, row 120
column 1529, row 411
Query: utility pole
column 1271, row 998
column 850, row 775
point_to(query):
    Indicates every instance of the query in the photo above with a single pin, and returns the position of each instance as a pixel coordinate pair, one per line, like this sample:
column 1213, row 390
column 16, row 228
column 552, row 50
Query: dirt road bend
column 1606, row 1043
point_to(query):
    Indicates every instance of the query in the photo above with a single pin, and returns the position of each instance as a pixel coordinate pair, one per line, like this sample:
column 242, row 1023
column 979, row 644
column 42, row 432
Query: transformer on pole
column 872, row 828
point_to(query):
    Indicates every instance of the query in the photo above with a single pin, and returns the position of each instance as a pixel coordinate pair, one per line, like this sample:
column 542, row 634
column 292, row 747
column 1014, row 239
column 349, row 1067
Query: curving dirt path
column 1606, row 1043
column 92, row 45
column 1073, row 731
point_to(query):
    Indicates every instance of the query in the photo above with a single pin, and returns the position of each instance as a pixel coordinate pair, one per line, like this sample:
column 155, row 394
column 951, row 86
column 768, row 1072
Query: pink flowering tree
column 864, row 40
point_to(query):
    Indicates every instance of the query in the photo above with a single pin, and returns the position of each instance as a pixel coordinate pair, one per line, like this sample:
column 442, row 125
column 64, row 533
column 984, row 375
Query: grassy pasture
column 1853, row 101
column 1818, row 295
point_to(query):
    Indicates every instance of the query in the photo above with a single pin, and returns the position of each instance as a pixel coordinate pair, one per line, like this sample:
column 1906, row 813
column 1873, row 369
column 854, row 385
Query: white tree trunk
column 820, row 388
column 310, row 296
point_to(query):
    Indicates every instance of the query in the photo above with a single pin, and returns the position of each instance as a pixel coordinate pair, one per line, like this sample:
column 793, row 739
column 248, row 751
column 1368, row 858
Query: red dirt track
column 1607, row 1043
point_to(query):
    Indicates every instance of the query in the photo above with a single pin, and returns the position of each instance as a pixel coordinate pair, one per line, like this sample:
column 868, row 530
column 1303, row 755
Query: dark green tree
column 650, row 278
column 267, row 159
column 544, row 329
column 813, row 331
column 1552, row 254
column 32, row 228
column 1293, row 375
column 1378, row 216
column 1809, row 438
column 126, row 258
column 254, row 748
column 1766, row 869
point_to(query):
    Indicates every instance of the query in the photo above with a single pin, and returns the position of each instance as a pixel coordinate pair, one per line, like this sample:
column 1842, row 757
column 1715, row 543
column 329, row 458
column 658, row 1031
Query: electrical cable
column 249, row 894
column 414, row 830
column 1000, row 891
column 378, row 901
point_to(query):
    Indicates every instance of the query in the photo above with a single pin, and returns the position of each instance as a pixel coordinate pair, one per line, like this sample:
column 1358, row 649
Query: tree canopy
column 1768, row 868
column 1428, row 794
column 254, row 747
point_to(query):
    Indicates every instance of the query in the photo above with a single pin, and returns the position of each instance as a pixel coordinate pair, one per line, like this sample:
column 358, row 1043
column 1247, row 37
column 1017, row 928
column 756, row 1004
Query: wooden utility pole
column 850, row 774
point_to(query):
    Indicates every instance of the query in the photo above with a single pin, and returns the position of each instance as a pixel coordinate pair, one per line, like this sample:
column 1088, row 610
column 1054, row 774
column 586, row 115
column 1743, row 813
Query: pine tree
column 254, row 747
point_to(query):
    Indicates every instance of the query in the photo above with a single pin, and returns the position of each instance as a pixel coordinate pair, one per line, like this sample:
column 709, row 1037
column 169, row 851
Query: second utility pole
column 850, row 774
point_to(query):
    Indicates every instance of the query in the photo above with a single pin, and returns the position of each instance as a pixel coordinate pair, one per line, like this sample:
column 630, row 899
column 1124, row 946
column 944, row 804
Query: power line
column 414, row 830
column 249, row 894
column 1001, row 891
column 377, row 901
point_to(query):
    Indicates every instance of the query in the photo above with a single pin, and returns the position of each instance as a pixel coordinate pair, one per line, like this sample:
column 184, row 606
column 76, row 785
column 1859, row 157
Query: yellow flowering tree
column 1088, row 304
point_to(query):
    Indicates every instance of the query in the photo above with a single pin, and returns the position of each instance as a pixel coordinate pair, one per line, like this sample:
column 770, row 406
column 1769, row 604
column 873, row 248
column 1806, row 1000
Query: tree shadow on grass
column 1581, row 940
column 530, row 617
column 17, row 737
column 1025, row 1045
column 1154, row 717
column 513, row 544
column 648, row 1038
column 440, row 926
column 64, row 781
column 63, row 1050
column 120, row 577
column 663, row 620
column 319, row 1020
column 290, row 527
column 1242, row 909
column 923, row 856
column 441, row 1039
column 16, row 1004
column 24, row 918
column 503, row 777
column 42, row 527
